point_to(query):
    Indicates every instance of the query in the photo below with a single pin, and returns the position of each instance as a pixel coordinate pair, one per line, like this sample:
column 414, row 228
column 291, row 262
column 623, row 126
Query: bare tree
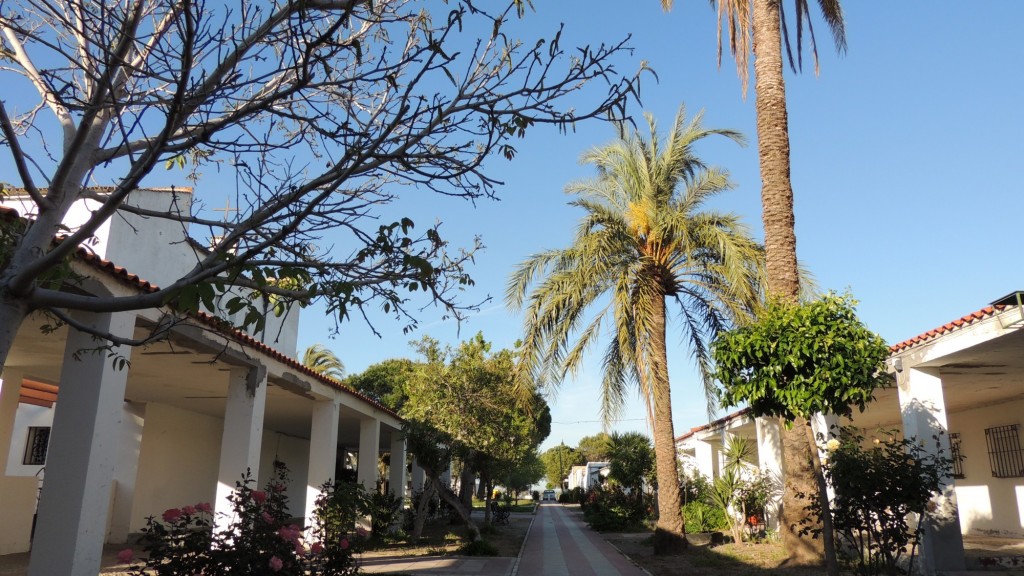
column 326, row 109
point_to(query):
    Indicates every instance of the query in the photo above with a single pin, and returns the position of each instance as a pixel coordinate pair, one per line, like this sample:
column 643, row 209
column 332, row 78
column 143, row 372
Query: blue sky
column 907, row 174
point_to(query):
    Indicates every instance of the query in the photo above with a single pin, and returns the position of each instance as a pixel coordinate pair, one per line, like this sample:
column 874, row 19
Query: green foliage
column 572, row 496
column 385, row 382
column 478, row 548
column 595, row 448
column 558, row 461
column 703, row 517
column 799, row 359
column 695, row 487
column 523, row 474
column 878, row 486
column 257, row 541
column 612, row 509
column 384, row 510
column 322, row 360
column 631, row 459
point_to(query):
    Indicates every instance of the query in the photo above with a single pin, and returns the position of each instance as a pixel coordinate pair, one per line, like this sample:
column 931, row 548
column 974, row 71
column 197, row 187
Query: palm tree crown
column 644, row 237
column 320, row 359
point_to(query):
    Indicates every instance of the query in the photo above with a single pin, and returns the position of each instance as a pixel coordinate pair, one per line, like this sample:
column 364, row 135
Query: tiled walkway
column 560, row 544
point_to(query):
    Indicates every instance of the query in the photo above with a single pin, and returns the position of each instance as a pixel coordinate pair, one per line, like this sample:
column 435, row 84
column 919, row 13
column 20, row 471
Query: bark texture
column 669, row 535
column 780, row 255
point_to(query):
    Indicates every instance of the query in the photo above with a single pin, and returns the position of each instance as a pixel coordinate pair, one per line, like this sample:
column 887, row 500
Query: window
column 35, row 448
column 956, row 455
column 1004, row 453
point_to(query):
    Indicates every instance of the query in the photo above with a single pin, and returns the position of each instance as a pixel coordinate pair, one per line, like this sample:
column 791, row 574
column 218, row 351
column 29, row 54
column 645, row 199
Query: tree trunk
column 451, row 498
column 773, row 153
column 669, row 534
column 466, row 484
column 424, row 507
column 12, row 315
column 827, row 534
column 780, row 252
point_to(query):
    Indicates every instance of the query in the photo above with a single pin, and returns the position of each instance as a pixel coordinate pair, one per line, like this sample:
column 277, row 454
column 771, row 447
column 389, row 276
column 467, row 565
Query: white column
column 132, row 422
column 924, row 416
column 418, row 475
column 769, row 456
column 396, row 475
column 323, row 452
column 369, row 448
column 825, row 428
column 243, row 433
column 75, row 501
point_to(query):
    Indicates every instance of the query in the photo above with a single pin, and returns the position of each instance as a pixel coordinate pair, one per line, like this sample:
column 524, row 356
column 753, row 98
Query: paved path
column 560, row 544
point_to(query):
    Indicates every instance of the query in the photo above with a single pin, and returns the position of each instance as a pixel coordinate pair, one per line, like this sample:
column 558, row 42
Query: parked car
column 549, row 496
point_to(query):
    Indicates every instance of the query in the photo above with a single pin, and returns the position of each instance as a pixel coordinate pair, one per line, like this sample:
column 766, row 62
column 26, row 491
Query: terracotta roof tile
column 714, row 424
column 973, row 317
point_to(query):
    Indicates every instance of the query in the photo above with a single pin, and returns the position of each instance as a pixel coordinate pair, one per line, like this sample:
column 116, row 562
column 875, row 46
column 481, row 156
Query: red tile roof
column 222, row 326
column 986, row 312
column 712, row 425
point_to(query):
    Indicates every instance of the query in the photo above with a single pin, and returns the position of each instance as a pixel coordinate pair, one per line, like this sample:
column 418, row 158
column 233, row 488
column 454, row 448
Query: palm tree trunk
column 669, row 535
column 780, row 253
column 773, row 152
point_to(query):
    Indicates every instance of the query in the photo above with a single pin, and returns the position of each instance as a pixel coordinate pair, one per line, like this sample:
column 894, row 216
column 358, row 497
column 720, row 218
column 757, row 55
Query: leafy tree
column 385, row 381
column 523, row 474
column 558, row 461
column 800, row 359
column 320, row 359
column 466, row 394
column 595, row 448
column 764, row 22
column 645, row 238
column 631, row 460
column 323, row 109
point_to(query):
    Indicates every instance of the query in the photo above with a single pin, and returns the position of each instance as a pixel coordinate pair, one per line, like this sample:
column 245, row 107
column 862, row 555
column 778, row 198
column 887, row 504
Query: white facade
column 963, row 380
column 176, row 427
column 587, row 476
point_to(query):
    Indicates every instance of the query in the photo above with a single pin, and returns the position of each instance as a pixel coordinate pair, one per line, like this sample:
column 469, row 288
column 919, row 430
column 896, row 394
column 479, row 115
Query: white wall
column 987, row 505
column 26, row 416
column 178, row 461
column 294, row 452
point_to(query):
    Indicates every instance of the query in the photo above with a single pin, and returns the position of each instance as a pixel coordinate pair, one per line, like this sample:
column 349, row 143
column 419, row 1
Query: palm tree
column 764, row 20
column 321, row 360
column 645, row 237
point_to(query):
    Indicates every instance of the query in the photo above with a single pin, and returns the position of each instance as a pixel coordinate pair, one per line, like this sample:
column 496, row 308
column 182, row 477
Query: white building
column 179, row 425
column 964, row 379
column 587, row 476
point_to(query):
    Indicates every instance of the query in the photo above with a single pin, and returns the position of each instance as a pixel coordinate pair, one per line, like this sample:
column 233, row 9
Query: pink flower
column 343, row 544
column 125, row 556
column 259, row 496
column 290, row 533
column 277, row 487
column 188, row 510
column 268, row 518
column 171, row 515
column 204, row 507
column 361, row 532
column 316, row 548
column 300, row 550
column 275, row 564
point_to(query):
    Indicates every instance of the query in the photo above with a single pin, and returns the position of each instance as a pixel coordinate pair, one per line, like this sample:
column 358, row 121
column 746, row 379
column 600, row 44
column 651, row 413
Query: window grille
column 956, row 455
column 35, row 448
column 1004, row 453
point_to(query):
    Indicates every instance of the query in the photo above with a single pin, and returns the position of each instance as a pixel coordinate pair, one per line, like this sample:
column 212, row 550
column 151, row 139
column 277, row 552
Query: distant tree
column 631, row 460
column 522, row 474
column 322, row 110
column 558, row 460
column 595, row 448
column 646, row 240
column 322, row 360
column 797, row 360
column 467, row 393
column 385, row 381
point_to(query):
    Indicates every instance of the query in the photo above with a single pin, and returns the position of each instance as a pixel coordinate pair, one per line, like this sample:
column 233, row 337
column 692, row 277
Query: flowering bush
column 257, row 539
column 613, row 509
column 878, row 485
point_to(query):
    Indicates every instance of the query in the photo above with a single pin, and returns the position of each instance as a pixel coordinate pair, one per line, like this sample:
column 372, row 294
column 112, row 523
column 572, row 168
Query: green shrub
column 702, row 517
column 478, row 548
column 258, row 540
column 613, row 509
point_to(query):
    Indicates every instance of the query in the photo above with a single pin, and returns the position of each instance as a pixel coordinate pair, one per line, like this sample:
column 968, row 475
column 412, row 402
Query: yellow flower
column 832, row 445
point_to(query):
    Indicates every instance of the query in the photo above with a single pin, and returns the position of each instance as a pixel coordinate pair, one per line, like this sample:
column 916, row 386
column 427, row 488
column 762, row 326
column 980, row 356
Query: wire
column 599, row 421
